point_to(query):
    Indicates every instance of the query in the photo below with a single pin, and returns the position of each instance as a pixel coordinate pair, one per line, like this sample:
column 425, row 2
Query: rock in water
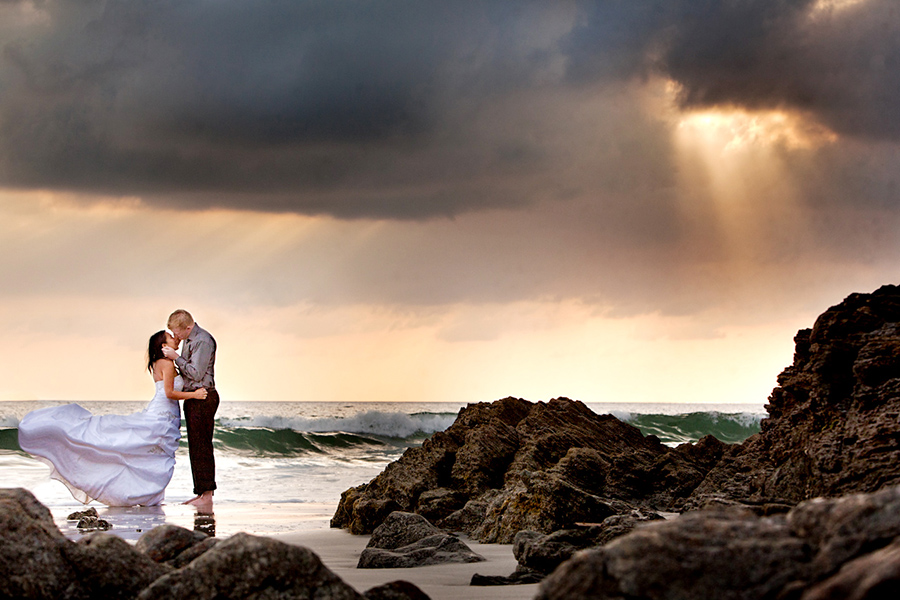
column 250, row 567
column 408, row 540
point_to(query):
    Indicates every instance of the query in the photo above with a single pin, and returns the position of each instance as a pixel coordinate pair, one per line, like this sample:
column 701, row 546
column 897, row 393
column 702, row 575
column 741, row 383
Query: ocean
column 282, row 466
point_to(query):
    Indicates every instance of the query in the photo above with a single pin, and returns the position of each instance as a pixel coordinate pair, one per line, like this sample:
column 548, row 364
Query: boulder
column 401, row 529
column 251, row 567
column 433, row 550
column 823, row 548
column 512, row 465
column 406, row 540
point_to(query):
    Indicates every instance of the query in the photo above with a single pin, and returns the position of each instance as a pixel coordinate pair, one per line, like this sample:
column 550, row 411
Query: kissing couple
column 128, row 460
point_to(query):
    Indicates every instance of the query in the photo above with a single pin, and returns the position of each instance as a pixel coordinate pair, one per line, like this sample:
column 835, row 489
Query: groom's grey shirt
column 197, row 363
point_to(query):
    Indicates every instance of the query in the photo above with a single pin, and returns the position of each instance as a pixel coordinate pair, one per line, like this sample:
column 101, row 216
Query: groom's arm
column 198, row 365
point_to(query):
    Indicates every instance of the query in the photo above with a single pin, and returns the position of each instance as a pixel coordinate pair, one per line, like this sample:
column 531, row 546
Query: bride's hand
column 200, row 394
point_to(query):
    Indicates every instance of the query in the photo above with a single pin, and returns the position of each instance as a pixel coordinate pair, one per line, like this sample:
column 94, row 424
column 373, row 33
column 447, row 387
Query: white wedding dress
column 119, row 460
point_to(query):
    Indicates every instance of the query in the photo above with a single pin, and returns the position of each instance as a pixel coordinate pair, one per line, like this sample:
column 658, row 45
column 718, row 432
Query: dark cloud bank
column 376, row 108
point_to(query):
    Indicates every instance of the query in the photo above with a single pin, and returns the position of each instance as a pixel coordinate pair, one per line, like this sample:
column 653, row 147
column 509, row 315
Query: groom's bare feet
column 203, row 501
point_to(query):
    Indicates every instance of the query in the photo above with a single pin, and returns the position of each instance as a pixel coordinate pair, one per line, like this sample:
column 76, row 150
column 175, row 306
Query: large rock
column 512, row 465
column 833, row 425
column 33, row 553
column 37, row 561
column 406, row 540
column 249, row 567
column 823, row 548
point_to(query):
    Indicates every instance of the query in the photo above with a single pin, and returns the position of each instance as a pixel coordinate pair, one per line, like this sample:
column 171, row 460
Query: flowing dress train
column 119, row 460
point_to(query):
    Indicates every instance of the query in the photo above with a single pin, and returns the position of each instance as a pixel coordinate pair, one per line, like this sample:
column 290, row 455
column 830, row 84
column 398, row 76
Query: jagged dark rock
column 823, row 548
column 834, row 419
column 406, row 540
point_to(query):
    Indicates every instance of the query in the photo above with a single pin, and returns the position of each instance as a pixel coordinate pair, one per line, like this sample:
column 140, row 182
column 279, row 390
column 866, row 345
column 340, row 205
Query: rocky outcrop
column 406, row 540
column 823, row 548
column 513, row 465
column 834, row 419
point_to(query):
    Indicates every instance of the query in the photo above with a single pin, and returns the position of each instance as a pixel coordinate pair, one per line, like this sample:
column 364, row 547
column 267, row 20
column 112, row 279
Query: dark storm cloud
column 840, row 65
column 364, row 108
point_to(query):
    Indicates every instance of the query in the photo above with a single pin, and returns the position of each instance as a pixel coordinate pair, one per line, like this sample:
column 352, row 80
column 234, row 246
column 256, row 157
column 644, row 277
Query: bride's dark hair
column 154, row 351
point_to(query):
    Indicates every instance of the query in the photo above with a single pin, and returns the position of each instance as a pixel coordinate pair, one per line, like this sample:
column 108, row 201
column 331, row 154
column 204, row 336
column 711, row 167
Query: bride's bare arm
column 168, row 373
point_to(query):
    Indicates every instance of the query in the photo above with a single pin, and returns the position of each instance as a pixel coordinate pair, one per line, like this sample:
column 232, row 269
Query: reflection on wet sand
column 229, row 518
column 128, row 522
column 205, row 522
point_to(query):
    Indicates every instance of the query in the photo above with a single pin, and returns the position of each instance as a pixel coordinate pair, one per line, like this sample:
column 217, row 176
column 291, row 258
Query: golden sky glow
column 612, row 201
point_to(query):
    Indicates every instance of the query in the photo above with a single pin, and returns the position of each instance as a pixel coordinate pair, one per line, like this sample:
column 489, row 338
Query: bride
column 119, row 460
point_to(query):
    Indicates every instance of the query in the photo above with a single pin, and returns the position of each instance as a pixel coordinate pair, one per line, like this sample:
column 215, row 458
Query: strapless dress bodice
column 161, row 404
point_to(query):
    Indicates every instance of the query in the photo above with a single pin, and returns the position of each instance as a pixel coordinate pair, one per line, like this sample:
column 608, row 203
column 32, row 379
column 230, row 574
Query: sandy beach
column 340, row 550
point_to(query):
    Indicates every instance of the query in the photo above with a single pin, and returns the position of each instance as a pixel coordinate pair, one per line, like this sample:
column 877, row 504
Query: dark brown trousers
column 200, row 416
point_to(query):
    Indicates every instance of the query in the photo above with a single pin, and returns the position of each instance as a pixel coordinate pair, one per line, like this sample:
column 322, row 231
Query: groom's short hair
column 180, row 319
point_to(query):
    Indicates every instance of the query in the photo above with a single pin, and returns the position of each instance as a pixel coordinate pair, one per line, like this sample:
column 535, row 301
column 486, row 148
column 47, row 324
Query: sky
column 420, row 200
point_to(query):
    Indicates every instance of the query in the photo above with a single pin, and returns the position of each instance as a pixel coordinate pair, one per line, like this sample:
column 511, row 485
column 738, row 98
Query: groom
column 197, row 366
